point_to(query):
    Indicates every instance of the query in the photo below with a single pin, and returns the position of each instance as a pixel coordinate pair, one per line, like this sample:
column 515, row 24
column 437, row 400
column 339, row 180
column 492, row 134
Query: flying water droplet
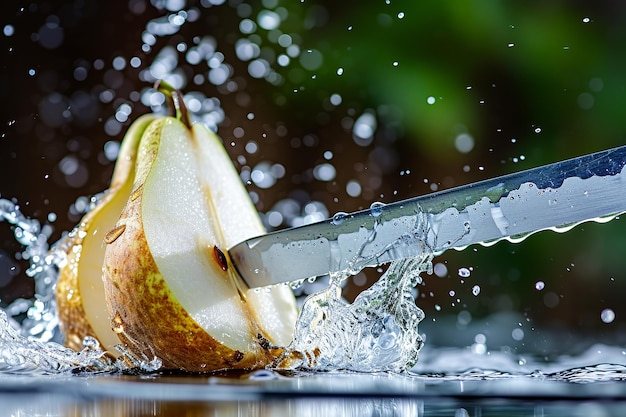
column 464, row 272
column 607, row 315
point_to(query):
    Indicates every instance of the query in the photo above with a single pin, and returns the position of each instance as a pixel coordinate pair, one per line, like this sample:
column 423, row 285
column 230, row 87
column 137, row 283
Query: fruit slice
column 80, row 290
column 171, row 288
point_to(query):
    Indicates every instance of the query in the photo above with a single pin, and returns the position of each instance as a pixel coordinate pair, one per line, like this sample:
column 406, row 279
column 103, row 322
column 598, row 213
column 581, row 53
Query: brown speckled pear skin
column 74, row 319
column 150, row 322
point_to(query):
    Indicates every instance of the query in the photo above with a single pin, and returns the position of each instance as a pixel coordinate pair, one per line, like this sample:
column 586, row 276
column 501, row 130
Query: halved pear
column 170, row 285
column 80, row 291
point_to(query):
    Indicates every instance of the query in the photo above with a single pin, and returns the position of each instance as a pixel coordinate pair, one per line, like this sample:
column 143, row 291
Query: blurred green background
column 459, row 91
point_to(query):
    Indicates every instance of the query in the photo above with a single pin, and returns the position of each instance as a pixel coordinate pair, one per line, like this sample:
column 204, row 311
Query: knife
column 557, row 196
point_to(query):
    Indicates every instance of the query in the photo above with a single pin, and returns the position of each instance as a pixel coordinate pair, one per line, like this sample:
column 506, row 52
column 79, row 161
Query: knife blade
column 557, row 196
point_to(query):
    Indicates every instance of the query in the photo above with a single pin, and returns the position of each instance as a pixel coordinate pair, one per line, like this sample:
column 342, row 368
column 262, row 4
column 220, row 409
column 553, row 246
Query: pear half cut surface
column 79, row 293
column 172, row 291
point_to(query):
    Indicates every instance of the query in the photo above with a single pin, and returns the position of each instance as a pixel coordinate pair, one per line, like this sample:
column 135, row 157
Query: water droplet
column 464, row 272
column 339, row 217
column 324, row 172
column 263, row 375
column 376, row 209
column 539, row 285
column 430, row 100
column 607, row 315
column 112, row 235
column 364, row 128
column 268, row 19
column 91, row 342
column 475, row 290
column 464, row 143
column 353, row 188
column 8, row 30
column 440, row 270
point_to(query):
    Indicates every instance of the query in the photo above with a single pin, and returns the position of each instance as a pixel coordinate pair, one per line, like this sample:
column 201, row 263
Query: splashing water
column 33, row 345
column 30, row 345
column 41, row 320
column 19, row 354
column 377, row 332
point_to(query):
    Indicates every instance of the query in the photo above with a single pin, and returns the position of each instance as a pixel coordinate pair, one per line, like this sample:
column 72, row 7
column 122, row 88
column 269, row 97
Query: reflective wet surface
column 306, row 395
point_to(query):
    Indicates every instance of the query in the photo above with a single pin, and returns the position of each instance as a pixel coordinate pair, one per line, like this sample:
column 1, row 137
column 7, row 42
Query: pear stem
column 176, row 104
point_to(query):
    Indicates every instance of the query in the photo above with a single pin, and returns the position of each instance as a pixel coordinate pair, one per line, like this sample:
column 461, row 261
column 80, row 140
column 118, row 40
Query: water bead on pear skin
column 112, row 235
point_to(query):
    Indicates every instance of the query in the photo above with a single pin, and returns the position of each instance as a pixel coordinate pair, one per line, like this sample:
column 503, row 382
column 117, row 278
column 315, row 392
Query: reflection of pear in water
column 80, row 300
column 170, row 286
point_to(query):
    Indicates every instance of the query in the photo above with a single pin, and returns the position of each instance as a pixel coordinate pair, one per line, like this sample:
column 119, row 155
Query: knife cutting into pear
column 167, row 262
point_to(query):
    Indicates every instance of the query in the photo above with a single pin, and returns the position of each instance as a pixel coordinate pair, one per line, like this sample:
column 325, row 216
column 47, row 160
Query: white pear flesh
column 90, row 285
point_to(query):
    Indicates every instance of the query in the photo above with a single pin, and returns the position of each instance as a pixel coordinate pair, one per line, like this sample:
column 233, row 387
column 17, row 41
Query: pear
column 170, row 286
column 80, row 291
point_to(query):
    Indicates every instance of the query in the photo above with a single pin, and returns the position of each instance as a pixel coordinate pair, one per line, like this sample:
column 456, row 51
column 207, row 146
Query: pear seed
column 114, row 233
column 220, row 258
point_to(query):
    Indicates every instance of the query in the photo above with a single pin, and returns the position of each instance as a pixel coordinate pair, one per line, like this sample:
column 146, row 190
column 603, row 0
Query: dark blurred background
column 340, row 104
